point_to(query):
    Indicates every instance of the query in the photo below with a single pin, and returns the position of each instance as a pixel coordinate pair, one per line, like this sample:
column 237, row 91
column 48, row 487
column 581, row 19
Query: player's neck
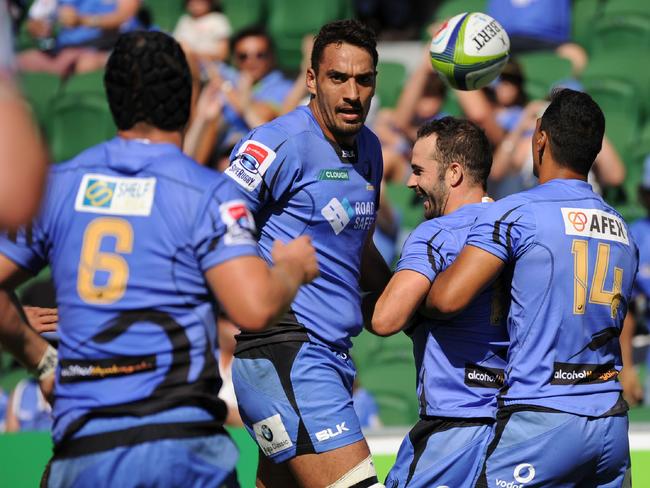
column 553, row 171
column 463, row 196
column 152, row 135
column 346, row 142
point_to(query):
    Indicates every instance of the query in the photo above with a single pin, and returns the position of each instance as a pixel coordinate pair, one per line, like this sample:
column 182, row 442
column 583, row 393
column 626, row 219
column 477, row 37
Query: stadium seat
column 451, row 105
column 618, row 98
column 387, row 370
column 165, row 13
column 621, row 33
column 406, row 203
column 92, row 82
column 541, row 70
column 390, row 80
column 583, row 15
column 449, row 8
column 77, row 121
column 244, row 13
column 290, row 20
column 39, row 89
column 624, row 6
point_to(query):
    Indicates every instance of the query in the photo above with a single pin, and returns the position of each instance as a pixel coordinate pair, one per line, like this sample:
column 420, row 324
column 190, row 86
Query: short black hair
column 349, row 31
column 575, row 125
column 463, row 142
column 252, row 31
column 147, row 79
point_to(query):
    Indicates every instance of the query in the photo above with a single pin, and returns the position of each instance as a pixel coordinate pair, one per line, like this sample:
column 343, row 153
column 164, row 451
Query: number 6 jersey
column 129, row 228
column 574, row 265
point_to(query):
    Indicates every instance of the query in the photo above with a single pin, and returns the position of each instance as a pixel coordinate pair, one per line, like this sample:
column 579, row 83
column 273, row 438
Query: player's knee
column 362, row 474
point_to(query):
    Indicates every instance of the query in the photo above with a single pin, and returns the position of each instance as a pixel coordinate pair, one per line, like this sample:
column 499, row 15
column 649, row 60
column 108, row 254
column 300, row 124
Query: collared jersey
column 296, row 182
column 460, row 362
column 574, row 265
column 129, row 228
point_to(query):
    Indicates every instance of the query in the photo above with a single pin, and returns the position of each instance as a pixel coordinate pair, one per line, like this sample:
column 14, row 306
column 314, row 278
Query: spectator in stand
column 87, row 30
column 241, row 98
column 204, row 31
column 539, row 25
column 4, row 401
column 365, row 407
column 27, row 409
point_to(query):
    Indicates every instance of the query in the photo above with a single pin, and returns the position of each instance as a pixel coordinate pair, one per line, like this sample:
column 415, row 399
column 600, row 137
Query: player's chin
column 348, row 127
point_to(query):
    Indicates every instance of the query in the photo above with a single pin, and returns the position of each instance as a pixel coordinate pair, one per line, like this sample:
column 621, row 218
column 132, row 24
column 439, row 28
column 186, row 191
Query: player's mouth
column 349, row 114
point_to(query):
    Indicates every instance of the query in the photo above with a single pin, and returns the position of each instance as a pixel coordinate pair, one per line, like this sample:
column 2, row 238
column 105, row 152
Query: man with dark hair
column 135, row 233
column 315, row 171
column 573, row 264
column 460, row 363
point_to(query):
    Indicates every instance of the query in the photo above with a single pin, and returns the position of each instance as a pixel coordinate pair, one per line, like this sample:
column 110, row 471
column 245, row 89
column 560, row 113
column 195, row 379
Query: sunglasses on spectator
column 256, row 55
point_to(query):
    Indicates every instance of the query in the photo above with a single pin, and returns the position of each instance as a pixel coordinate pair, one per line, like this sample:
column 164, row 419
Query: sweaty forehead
column 346, row 58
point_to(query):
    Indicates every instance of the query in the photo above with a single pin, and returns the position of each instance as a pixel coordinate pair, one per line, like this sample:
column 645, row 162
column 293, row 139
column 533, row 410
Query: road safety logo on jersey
column 250, row 164
column 114, row 195
column 271, row 435
column 589, row 222
column 240, row 224
column 340, row 213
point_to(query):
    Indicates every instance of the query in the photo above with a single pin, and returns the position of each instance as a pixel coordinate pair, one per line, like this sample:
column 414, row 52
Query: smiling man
column 314, row 171
column 460, row 362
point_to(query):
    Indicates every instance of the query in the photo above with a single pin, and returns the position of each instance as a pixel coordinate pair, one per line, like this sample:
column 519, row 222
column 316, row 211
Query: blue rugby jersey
column 640, row 231
column 296, row 182
column 460, row 362
column 129, row 228
column 574, row 265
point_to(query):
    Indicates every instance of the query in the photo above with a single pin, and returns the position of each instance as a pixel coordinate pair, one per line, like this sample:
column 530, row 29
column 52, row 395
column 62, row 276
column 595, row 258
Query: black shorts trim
column 106, row 441
column 288, row 329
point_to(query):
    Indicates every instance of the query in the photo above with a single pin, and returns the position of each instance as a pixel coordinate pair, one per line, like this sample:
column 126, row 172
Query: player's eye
column 365, row 80
column 338, row 77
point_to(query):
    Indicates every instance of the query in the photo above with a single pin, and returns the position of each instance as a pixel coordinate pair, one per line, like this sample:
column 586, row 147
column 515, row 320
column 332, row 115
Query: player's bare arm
column 375, row 273
column 254, row 294
column 399, row 302
column 458, row 285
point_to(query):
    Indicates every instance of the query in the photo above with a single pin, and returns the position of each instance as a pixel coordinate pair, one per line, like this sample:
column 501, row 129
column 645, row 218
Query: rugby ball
column 470, row 50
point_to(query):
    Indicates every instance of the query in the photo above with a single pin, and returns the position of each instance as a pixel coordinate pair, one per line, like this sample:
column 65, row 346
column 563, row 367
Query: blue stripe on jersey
column 460, row 362
column 574, row 265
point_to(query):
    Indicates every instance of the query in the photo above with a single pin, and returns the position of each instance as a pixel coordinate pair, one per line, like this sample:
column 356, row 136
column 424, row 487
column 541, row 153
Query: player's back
column 125, row 229
column 460, row 362
column 574, row 264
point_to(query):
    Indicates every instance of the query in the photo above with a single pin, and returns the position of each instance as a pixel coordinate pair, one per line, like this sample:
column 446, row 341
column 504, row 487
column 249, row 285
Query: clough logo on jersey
column 589, row 222
column 251, row 162
column 361, row 215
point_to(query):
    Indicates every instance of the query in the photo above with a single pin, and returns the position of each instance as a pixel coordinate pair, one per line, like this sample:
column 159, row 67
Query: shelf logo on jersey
column 580, row 374
column 114, row 195
column 339, row 213
column 240, row 224
column 271, row 435
column 589, row 222
column 251, row 162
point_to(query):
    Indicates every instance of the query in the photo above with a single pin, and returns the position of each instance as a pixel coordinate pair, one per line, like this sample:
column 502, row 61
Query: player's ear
column 455, row 174
column 311, row 81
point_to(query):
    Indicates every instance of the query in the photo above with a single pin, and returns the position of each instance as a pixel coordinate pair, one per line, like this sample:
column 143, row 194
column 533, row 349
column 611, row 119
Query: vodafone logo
column 524, row 473
column 257, row 151
column 578, row 220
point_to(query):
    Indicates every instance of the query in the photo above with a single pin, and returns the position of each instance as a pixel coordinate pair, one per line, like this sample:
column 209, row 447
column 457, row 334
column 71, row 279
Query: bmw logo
column 267, row 433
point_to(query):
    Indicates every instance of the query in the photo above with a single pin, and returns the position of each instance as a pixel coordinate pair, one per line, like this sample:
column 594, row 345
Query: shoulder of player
column 439, row 231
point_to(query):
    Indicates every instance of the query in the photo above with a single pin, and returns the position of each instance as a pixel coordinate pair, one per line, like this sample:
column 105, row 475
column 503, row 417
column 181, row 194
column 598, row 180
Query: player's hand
column 632, row 390
column 68, row 16
column 42, row 319
column 300, row 253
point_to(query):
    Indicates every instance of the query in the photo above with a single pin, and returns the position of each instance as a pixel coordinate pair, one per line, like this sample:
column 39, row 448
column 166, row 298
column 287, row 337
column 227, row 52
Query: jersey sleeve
column 506, row 229
column 27, row 247
column 428, row 251
column 224, row 229
column 264, row 165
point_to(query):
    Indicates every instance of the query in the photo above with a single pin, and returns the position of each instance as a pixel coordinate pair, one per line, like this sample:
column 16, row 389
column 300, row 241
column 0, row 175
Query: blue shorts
column 441, row 452
column 534, row 448
column 196, row 462
column 296, row 398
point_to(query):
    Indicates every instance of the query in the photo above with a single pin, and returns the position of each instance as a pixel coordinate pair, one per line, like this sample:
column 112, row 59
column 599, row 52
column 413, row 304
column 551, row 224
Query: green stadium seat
column 77, row 121
column 92, row 82
column 541, row 70
column 622, row 34
column 583, row 15
column 637, row 152
column 390, row 80
column 386, row 369
column 39, row 89
column 449, row 8
column 451, row 106
column 165, row 13
column 290, row 20
column 244, row 13
column 625, row 6
column 618, row 98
